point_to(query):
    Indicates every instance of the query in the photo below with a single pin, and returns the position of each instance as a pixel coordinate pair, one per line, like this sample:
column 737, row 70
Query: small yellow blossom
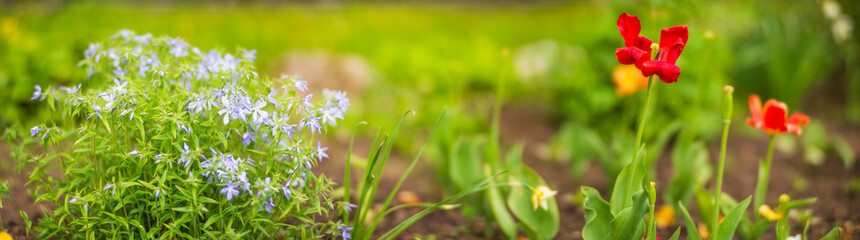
column 540, row 195
column 784, row 198
column 768, row 213
column 628, row 80
column 703, row 230
column 5, row 236
column 665, row 216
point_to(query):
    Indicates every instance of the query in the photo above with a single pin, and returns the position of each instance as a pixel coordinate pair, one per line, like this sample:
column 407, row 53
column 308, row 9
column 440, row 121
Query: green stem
column 763, row 176
column 719, row 188
column 642, row 118
column 652, row 230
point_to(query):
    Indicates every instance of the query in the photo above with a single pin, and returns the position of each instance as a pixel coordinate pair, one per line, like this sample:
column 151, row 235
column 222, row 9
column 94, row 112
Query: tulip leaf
column 597, row 215
column 676, row 235
column 726, row 228
column 628, row 222
column 543, row 222
column 833, row 234
column 500, row 211
column 624, row 187
column 692, row 231
column 465, row 163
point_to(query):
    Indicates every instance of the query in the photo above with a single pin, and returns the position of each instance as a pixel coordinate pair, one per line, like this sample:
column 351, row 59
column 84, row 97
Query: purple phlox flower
column 312, row 124
column 182, row 127
column 258, row 115
column 157, row 193
column 307, row 104
column 286, row 190
column 74, row 199
column 248, row 137
column 329, row 115
column 133, row 153
column 300, row 85
column 184, row 158
column 268, row 205
column 348, row 207
column 146, row 64
column 308, row 165
column 107, row 186
column 270, row 98
column 242, row 177
column 127, row 111
column 72, row 90
column 91, row 51
column 38, row 94
column 119, row 71
column 344, row 231
column 96, row 111
column 125, row 33
column 159, row 157
column 35, row 130
column 198, row 103
column 230, row 190
column 120, row 86
column 142, row 39
column 178, row 47
column 251, row 55
column 320, row 152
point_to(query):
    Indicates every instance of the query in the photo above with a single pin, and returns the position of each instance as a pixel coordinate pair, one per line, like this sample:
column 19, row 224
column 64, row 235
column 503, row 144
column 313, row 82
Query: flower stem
column 763, row 176
column 719, row 188
column 642, row 118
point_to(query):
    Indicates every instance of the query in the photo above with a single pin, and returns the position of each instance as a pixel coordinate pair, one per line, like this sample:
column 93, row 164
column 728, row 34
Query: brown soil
column 826, row 182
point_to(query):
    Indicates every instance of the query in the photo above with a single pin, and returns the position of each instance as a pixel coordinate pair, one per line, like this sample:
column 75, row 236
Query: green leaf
column 622, row 193
column 597, row 215
column 544, row 222
column 676, row 235
column 833, row 234
column 628, row 222
column 466, row 163
column 692, row 231
column 500, row 211
column 726, row 228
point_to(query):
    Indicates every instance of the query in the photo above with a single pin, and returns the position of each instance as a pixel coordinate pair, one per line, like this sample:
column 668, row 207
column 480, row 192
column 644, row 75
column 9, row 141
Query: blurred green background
column 556, row 57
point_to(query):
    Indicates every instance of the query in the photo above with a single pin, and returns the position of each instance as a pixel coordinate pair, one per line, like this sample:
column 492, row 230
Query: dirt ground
column 827, row 182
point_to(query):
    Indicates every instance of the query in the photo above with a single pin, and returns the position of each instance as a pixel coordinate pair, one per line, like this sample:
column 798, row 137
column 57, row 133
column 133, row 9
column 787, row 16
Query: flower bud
column 652, row 194
column 784, row 198
column 768, row 213
column 728, row 102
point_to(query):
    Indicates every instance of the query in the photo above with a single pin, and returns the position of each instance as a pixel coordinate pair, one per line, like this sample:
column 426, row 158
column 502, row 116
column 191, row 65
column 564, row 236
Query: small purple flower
column 248, row 137
column 258, row 116
column 74, row 199
column 91, row 51
column 157, row 193
column 184, row 158
column 38, row 94
column 301, row 85
column 35, row 130
column 344, row 231
column 159, row 157
column 251, row 55
column 320, row 152
column 133, row 153
column 348, row 207
column 108, row 186
column 72, row 90
column 270, row 98
column 230, row 190
column 287, row 191
column 268, row 204
column 312, row 124
column 119, row 72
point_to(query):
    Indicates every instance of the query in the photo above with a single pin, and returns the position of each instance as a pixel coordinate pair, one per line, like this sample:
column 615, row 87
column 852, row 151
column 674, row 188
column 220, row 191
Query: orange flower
column 628, row 80
column 665, row 216
column 772, row 117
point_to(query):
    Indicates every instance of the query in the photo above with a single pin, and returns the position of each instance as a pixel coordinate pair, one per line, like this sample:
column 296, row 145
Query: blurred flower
column 843, row 28
column 637, row 49
column 35, row 130
column 540, row 195
column 230, row 190
column 5, row 236
column 38, row 94
column 772, row 117
column 665, row 216
column 703, row 230
column 795, row 237
column 628, row 80
column 784, row 198
column 344, row 231
column 408, row 197
column 831, row 9
column 768, row 213
column 672, row 43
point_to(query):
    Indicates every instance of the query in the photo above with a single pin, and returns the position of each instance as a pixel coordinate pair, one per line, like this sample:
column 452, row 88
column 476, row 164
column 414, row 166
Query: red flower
column 637, row 49
column 772, row 118
column 672, row 42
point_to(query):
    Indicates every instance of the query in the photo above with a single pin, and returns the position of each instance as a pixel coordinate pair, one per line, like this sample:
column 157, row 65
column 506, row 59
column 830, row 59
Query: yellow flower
column 784, row 198
column 5, row 236
column 540, row 195
column 768, row 213
column 9, row 29
column 628, row 80
column 703, row 230
column 665, row 216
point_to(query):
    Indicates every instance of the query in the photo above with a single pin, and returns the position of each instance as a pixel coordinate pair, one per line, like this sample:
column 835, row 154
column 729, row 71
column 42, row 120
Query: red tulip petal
column 629, row 27
column 672, row 42
column 775, row 113
column 644, row 44
column 798, row 119
column 631, row 55
column 755, row 111
column 667, row 72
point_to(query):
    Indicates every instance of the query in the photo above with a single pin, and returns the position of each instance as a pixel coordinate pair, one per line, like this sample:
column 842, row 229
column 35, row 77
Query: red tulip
column 772, row 117
column 637, row 49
